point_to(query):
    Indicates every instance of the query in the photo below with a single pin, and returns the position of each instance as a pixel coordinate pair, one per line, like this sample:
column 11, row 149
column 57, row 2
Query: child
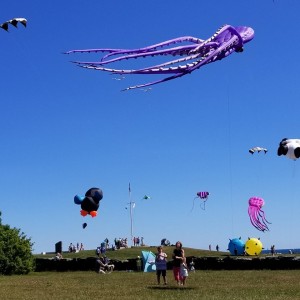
column 161, row 265
column 183, row 270
column 192, row 266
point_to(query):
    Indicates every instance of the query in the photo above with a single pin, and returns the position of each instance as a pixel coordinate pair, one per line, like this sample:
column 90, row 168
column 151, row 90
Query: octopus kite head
column 247, row 33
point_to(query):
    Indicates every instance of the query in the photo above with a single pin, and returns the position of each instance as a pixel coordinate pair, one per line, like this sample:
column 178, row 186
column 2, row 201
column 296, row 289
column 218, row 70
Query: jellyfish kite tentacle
column 256, row 214
column 263, row 218
column 257, row 224
column 225, row 41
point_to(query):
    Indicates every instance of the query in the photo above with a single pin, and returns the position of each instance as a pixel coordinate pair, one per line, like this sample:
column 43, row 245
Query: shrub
column 15, row 251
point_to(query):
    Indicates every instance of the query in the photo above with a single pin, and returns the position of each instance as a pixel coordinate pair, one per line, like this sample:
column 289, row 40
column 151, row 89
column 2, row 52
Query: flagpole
column 131, row 216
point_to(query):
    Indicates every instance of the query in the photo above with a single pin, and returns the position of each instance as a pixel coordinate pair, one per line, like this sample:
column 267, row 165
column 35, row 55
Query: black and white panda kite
column 289, row 148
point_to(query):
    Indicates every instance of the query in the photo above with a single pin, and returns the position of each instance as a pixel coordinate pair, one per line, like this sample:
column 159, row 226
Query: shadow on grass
column 167, row 287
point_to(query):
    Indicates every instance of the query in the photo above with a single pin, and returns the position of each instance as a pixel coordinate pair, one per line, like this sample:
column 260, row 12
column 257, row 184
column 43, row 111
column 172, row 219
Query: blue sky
column 65, row 129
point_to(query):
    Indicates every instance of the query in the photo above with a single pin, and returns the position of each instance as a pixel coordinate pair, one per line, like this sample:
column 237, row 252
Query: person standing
column 81, row 247
column 161, row 265
column 138, row 264
column 192, row 265
column 178, row 255
column 183, row 271
column 273, row 250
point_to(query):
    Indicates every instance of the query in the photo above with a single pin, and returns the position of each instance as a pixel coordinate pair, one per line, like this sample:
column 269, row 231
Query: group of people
column 217, row 247
column 180, row 268
column 77, row 248
column 121, row 242
column 137, row 241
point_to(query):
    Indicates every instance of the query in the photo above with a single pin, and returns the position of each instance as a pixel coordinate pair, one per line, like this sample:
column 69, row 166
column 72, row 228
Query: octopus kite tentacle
column 185, row 49
column 225, row 41
column 256, row 214
column 113, row 51
column 154, row 47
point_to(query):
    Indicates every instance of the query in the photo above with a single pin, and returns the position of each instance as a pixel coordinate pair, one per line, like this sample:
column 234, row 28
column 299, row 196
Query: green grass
column 134, row 252
column 217, row 285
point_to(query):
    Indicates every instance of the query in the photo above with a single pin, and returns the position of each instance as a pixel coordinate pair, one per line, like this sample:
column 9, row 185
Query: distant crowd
column 118, row 243
column 77, row 248
column 137, row 241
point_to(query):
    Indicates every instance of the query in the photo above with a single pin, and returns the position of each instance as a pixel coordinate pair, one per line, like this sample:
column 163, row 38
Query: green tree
column 15, row 251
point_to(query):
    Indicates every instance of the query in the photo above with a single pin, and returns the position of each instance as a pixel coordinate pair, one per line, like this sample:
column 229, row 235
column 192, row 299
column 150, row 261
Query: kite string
column 230, row 158
column 193, row 204
column 202, row 205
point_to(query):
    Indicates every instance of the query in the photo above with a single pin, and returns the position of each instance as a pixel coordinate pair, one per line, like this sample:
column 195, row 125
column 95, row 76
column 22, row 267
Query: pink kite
column 256, row 214
column 203, row 196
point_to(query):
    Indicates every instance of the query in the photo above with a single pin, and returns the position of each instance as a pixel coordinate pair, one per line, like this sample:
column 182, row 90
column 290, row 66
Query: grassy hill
column 133, row 252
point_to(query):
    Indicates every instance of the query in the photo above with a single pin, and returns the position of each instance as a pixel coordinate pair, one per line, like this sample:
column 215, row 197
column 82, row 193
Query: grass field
column 217, row 285
column 134, row 252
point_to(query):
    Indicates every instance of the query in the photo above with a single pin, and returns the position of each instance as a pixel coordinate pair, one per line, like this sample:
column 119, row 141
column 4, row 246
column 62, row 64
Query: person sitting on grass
column 109, row 267
column 103, row 265
column 58, row 256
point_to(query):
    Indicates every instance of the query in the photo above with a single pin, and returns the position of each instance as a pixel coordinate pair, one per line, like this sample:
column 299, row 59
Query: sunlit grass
column 218, row 285
column 134, row 252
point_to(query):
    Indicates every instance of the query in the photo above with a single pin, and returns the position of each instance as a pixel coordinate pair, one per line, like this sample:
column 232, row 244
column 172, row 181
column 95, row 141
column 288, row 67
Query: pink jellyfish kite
column 203, row 196
column 256, row 214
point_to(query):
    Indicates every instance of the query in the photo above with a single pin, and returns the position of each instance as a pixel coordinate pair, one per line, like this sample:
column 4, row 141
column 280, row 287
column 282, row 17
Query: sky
column 65, row 129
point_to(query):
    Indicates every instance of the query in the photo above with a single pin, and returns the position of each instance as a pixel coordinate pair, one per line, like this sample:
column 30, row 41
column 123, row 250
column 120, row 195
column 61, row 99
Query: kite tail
column 193, row 204
column 202, row 205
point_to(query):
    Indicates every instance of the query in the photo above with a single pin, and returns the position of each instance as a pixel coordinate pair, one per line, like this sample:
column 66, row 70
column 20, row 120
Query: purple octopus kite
column 256, row 214
column 225, row 41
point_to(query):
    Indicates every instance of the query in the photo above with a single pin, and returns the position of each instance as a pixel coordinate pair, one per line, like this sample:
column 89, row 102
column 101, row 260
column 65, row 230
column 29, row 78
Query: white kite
column 258, row 149
column 13, row 22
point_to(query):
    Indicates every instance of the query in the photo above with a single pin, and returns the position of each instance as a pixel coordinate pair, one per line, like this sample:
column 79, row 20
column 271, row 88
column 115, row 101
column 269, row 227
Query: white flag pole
column 132, row 204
